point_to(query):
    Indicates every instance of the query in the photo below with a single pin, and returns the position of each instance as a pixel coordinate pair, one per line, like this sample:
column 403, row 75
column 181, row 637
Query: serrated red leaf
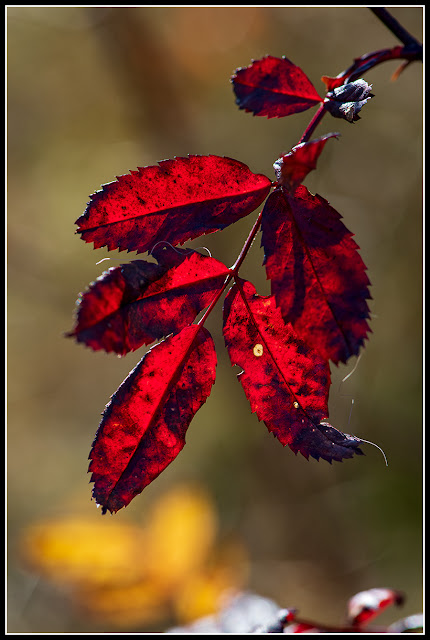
column 139, row 302
column 144, row 425
column 273, row 87
column 293, row 167
column 286, row 382
column 317, row 275
column 366, row 605
column 176, row 201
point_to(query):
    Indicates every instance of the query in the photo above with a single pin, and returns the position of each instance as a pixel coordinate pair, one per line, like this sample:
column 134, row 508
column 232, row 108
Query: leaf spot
column 258, row 350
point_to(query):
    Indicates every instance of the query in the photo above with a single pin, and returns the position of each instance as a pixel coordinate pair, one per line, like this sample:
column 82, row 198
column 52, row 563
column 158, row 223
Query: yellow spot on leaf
column 258, row 350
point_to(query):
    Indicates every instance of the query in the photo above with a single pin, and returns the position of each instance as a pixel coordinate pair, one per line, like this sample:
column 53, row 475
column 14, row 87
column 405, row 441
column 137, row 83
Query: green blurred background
column 95, row 92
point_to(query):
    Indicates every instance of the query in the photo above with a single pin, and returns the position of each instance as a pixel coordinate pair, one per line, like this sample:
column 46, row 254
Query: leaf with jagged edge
column 139, row 302
column 144, row 425
column 174, row 201
column 286, row 382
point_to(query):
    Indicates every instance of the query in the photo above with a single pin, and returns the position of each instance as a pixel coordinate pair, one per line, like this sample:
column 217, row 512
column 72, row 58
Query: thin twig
column 394, row 26
column 313, row 124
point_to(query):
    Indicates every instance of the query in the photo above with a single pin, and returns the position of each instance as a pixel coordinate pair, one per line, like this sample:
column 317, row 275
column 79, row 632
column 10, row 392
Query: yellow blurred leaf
column 128, row 574
column 126, row 605
column 202, row 594
column 181, row 533
column 81, row 550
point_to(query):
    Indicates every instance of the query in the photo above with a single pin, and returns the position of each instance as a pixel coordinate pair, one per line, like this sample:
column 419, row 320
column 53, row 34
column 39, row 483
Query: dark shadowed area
column 93, row 92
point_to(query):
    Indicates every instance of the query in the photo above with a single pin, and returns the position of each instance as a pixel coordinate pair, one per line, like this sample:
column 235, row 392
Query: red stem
column 215, row 300
column 246, row 247
column 370, row 60
column 234, row 270
column 333, row 629
column 313, row 124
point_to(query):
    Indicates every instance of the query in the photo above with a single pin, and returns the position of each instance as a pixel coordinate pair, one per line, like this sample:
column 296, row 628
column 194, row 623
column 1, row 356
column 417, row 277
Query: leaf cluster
column 283, row 343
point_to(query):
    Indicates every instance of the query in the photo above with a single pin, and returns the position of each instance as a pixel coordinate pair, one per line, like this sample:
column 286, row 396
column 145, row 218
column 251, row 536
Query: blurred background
column 94, row 92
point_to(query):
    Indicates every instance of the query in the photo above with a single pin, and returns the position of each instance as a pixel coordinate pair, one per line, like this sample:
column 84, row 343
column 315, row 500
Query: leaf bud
column 347, row 100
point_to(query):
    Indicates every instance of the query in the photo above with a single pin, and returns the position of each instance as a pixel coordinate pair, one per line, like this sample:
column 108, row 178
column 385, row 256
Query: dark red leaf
column 273, row 87
column 286, row 382
column 176, row 201
column 366, row 605
column 139, row 302
column 318, row 277
column 293, row 167
column 144, row 425
column 333, row 83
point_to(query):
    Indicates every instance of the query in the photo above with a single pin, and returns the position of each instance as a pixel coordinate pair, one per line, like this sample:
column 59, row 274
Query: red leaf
column 333, row 83
column 293, row 167
column 176, row 201
column 274, row 87
column 366, row 605
column 144, row 425
column 139, row 302
column 303, row 627
column 286, row 382
column 318, row 277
